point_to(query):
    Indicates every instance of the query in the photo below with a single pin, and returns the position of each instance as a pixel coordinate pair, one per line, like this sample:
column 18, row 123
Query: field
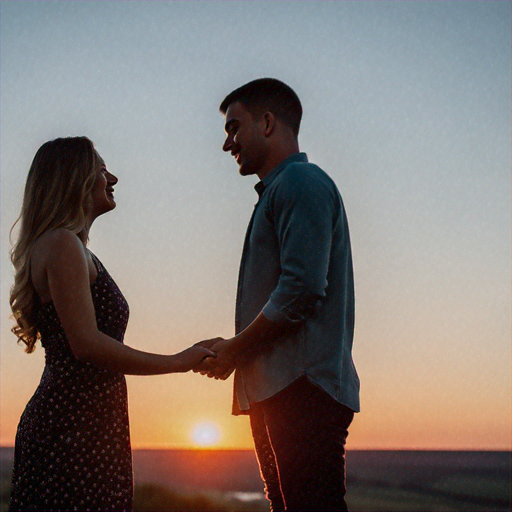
column 225, row 480
column 429, row 481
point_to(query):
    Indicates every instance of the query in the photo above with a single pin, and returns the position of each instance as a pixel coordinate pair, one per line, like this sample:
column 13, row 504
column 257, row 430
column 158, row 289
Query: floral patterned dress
column 72, row 448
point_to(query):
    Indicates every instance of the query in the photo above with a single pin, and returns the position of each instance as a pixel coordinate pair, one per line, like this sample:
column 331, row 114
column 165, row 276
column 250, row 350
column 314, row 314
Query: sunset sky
column 407, row 106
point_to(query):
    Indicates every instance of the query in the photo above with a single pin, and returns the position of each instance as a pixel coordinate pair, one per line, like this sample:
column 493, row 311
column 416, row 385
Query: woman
column 72, row 447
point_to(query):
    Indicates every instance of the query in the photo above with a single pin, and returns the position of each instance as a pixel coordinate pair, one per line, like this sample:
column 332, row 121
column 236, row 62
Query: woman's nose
column 111, row 178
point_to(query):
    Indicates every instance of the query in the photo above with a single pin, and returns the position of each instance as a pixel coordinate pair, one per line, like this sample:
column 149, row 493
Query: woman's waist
column 66, row 367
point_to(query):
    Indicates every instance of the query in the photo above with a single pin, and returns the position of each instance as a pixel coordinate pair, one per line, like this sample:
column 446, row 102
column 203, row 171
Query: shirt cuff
column 271, row 312
column 298, row 311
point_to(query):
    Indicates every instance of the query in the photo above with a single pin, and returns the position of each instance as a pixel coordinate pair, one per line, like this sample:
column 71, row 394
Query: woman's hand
column 191, row 357
column 209, row 343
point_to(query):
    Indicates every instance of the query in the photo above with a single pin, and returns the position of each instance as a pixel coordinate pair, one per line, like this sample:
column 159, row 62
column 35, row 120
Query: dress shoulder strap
column 99, row 266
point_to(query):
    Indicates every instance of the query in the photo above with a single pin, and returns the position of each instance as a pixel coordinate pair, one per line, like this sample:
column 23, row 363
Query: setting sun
column 205, row 434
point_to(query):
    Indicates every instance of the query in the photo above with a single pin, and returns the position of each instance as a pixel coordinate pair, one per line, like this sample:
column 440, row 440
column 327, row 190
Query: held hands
column 221, row 366
column 258, row 335
column 191, row 357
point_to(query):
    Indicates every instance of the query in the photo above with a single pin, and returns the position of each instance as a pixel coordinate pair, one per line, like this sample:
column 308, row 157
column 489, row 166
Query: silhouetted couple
column 291, row 354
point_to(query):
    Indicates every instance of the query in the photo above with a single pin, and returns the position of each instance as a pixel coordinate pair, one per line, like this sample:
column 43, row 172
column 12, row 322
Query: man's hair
column 268, row 94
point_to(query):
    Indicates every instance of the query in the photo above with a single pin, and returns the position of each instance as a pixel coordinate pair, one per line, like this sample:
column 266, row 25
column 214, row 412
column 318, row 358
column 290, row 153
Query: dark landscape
column 228, row 480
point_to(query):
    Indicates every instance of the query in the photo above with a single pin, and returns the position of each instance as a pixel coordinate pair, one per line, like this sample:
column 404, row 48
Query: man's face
column 245, row 139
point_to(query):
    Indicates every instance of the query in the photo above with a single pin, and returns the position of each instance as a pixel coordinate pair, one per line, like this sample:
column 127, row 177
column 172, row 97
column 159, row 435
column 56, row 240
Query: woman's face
column 103, row 190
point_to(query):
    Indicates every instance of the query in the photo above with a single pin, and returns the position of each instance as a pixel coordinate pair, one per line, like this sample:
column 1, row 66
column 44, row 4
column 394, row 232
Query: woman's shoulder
column 53, row 251
column 58, row 237
column 57, row 242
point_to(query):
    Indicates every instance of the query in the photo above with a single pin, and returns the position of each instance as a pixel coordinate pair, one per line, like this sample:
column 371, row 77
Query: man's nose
column 228, row 143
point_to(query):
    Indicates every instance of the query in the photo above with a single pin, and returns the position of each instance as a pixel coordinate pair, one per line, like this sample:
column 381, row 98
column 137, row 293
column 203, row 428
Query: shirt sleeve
column 303, row 210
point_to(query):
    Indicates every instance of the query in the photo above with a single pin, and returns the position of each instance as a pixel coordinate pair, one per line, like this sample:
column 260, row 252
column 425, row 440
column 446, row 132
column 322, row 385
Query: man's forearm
column 259, row 335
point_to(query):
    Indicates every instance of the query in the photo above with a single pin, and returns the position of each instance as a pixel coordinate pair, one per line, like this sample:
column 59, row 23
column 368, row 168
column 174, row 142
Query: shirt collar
column 267, row 180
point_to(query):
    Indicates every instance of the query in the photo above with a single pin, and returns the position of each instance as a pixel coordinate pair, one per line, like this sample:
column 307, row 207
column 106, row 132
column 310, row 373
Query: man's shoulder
column 302, row 167
column 303, row 174
column 302, row 183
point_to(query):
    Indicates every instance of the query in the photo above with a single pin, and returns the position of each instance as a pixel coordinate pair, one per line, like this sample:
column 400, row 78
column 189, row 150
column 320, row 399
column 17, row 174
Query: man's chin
column 246, row 171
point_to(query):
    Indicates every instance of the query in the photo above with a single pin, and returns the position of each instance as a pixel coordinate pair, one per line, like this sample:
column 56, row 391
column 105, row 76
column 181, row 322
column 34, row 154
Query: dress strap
column 97, row 262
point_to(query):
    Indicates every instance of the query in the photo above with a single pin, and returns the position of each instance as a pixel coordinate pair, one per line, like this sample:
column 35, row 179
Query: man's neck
column 276, row 158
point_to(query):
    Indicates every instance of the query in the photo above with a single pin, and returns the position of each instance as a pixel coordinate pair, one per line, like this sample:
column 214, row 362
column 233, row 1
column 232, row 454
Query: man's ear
column 270, row 123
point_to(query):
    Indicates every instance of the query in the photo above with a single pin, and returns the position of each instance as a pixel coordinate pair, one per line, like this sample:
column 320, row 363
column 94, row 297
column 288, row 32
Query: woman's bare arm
column 64, row 259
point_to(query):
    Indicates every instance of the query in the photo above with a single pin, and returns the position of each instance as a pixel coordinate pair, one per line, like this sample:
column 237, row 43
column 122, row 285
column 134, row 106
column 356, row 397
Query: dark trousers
column 299, row 436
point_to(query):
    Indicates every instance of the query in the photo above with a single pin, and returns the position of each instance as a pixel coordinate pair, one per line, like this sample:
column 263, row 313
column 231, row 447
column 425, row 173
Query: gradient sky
column 407, row 106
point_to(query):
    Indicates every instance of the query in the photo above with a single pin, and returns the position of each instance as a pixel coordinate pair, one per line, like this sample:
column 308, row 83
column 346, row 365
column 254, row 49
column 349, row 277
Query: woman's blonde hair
column 57, row 195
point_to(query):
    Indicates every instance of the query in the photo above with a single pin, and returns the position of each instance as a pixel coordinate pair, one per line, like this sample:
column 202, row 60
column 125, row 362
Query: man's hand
column 209, row 343
column 222, row 366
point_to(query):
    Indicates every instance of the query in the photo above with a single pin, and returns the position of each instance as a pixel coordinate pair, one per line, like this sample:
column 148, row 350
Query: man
column 295, row 307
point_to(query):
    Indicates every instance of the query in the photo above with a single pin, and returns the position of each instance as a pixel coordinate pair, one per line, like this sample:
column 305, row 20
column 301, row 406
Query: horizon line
column 220, row 449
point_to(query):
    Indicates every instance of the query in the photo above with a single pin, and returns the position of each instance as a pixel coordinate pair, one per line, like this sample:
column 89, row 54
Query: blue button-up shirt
column 296, row 268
